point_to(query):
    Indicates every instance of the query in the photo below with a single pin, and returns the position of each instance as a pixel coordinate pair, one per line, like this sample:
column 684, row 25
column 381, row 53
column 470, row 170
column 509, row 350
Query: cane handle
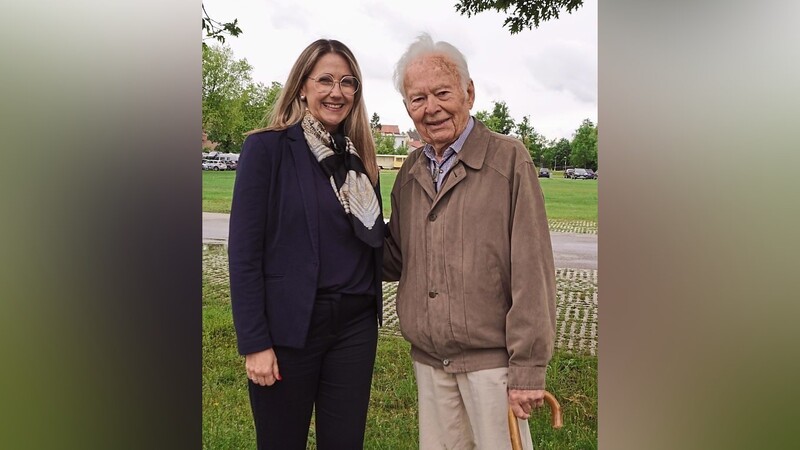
column 513, row 425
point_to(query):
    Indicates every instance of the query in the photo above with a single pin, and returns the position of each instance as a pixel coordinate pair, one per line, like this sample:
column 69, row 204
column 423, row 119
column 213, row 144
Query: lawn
column 565, row 199
column 218, row 190
column 392, row 422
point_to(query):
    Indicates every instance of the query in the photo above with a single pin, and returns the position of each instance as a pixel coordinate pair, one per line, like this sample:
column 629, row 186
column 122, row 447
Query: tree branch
column 526, row 13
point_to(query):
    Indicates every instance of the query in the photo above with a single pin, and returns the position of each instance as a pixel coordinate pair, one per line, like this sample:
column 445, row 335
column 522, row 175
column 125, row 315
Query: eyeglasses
column 324, row 83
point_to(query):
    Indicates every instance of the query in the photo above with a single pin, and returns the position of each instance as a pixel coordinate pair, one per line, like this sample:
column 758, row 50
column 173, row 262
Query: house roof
column 390, row 129
column 415, row 143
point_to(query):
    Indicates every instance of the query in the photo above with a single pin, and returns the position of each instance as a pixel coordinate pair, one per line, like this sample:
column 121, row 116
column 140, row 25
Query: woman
column 305, row 248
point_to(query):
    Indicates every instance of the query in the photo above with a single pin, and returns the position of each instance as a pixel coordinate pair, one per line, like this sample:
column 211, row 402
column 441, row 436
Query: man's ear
column 470, row 93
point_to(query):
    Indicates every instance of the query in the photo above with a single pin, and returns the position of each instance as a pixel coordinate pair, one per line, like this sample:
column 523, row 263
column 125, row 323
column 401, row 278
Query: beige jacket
column 475, row 263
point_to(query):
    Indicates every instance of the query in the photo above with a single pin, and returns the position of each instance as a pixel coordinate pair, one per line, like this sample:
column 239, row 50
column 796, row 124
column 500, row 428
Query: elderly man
column 469, row 242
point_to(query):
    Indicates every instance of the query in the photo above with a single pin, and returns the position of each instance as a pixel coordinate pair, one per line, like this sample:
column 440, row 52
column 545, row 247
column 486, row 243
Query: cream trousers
column 465, row 411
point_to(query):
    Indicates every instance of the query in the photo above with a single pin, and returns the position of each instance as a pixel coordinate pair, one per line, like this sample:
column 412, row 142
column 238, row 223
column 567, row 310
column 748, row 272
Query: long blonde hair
column 289, row 110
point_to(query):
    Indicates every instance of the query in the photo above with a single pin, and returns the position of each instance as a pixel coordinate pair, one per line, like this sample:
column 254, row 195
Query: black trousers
column 331, row 375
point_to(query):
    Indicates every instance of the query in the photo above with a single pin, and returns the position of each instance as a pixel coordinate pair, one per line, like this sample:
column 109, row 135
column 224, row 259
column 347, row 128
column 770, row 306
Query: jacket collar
column 473, row 153
column 295, row 132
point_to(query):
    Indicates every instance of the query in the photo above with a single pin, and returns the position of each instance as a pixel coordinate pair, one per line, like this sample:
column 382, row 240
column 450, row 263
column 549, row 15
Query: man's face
column 436, row 101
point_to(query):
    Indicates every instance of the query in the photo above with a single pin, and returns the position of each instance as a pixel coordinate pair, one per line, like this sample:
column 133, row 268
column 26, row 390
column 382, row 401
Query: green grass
column 392, row 420
column 387, row 182
column 567, row 199
column 218, row 190
column 564, row 199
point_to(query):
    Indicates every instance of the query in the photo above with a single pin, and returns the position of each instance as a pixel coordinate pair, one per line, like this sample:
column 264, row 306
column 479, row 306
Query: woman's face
column 330, row 104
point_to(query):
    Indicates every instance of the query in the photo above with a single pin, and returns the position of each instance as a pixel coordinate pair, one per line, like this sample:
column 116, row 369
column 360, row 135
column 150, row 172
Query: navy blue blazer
column 273, row 242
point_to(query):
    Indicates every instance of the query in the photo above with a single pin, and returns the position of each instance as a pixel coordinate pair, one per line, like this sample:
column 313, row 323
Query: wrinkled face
column 436, row 101
column 328, row 105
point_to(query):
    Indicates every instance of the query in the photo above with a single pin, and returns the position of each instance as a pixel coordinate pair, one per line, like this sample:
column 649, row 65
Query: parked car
column 209, row 164
column 593, row 175
column 231, row 164
column 581, row 174
column 544, row 173
column 568, row 173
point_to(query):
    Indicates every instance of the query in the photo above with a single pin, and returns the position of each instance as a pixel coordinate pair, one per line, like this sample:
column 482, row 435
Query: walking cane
column 513, row 425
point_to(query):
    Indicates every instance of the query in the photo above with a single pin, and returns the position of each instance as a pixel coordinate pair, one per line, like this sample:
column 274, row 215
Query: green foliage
column 499, row 120
column 526, row 13
column 533, row 141
column 217, row 30
column 375, row 123
column 384, row 145
column 584, row 146
column 232, row 103
column 556, row 153
column 257, row 104
column 402, row 150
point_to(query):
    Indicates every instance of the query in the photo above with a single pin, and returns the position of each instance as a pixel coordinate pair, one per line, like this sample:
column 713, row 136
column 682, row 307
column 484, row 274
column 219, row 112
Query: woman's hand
column 262, row 367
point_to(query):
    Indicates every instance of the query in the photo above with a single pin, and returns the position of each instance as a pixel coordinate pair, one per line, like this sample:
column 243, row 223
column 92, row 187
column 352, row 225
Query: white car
column 214, row 165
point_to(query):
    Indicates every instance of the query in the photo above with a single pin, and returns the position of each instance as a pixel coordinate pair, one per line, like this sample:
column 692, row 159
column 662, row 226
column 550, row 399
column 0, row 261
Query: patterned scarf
column 339, row 160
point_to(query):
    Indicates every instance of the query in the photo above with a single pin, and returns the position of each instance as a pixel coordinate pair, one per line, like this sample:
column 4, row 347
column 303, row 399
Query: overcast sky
column 549, row 73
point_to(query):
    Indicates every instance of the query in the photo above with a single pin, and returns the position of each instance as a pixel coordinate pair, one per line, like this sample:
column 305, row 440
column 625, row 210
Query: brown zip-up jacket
column 475, row 263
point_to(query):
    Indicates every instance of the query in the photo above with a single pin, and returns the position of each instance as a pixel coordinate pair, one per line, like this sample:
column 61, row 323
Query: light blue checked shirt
column 449, row 157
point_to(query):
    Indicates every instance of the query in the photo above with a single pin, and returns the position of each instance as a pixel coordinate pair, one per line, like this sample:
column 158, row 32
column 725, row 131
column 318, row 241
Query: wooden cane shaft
column 513, row 431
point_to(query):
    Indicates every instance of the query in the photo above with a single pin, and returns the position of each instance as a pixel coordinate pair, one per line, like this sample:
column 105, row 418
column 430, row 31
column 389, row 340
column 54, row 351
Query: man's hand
column 262, row 367
column 522, row 402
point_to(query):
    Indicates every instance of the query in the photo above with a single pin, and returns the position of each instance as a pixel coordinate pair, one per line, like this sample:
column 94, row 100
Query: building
column 394, row 131
column 414, row 140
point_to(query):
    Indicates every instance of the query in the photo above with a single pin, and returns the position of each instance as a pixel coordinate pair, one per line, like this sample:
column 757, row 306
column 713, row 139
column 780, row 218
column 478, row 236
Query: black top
column 346, row 262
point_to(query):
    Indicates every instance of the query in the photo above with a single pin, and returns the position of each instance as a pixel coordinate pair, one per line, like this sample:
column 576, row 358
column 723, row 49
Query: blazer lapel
column 298, row 148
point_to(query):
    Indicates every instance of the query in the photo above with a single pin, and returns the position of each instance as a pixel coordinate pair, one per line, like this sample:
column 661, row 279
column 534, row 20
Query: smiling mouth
column 333, row 106
column 436, row 124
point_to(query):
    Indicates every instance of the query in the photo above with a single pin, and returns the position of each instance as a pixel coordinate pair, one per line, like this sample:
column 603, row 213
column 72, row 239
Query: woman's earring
column 302, row 98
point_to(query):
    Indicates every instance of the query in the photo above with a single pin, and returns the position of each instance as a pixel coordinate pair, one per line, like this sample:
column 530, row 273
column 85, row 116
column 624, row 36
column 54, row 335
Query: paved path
column 573, row 250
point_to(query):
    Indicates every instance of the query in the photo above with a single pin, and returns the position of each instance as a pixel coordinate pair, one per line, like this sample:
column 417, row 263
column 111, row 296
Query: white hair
column 425, row 46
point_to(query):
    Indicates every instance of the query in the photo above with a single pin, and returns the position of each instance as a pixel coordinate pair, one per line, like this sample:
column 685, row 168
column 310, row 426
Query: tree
column 232, row 103
column 375, row 123
column 499, row 121
column 556, row 152
column 384, row 145
column 257, row 103
column 584, row 146
column 533, row 141
column 402, row 150
column 526, row 14
column 217, row 30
